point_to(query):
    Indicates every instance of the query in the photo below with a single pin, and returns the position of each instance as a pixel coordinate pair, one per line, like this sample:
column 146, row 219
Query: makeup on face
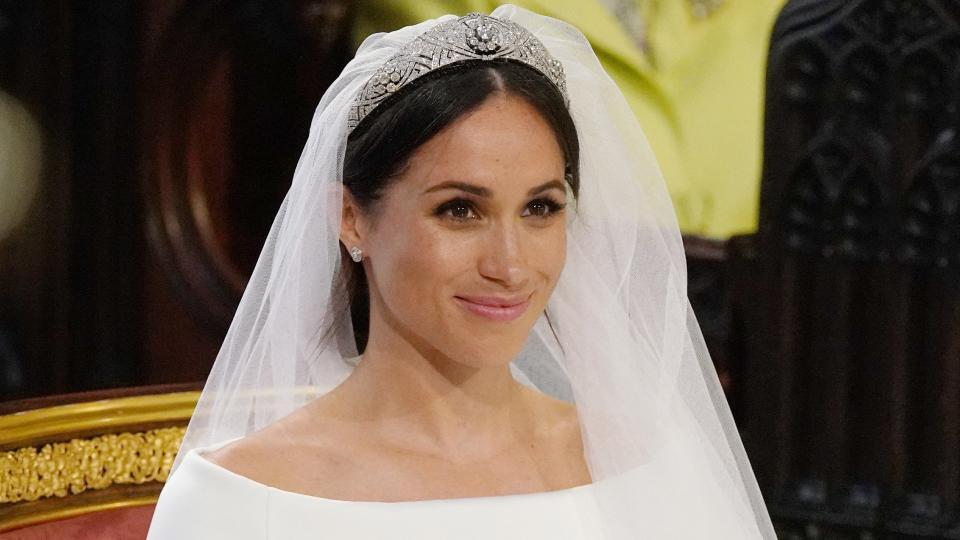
column 471, row 237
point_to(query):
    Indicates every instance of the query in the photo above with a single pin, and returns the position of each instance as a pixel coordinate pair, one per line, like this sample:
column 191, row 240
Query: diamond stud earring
column 356, row 254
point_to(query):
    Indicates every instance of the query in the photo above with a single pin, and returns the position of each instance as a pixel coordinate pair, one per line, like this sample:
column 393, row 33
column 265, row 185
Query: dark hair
column 380, row 146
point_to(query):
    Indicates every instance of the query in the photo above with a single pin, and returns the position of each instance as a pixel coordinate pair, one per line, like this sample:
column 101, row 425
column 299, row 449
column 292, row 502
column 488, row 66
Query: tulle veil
column 623, row 343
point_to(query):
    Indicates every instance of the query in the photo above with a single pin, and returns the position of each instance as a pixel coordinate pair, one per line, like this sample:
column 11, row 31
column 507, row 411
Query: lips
column 495, row 308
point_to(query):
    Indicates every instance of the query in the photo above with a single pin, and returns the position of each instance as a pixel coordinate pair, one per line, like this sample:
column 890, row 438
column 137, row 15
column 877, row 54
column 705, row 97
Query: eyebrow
column 481, row 191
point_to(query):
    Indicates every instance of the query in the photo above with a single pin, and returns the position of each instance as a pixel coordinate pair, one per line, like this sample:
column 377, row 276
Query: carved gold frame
column 68, row 460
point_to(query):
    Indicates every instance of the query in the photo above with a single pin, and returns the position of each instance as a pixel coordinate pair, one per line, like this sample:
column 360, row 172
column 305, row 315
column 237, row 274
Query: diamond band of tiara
column 471, row 37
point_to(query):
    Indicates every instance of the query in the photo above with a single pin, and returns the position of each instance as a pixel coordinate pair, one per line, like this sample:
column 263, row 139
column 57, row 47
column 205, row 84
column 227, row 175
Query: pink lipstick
column 495, row 308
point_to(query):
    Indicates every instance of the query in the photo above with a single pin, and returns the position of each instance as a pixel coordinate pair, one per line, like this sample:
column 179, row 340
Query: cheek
column 551, row 255
column 559, row 259
column 415, row 270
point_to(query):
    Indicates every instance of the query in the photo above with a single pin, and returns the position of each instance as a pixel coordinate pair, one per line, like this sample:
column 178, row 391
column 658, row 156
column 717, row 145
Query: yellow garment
column 697, row 90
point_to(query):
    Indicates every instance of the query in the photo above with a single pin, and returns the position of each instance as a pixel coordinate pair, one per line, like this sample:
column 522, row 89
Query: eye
column 457, row 209
column 542, row 208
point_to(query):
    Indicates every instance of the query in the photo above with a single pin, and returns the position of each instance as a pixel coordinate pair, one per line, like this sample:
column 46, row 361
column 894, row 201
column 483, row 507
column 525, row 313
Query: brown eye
column 457, row 209
column 539, row 209
column 542, row 208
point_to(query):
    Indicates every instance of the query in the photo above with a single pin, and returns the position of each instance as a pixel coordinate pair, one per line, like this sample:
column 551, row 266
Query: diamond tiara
column 472, row 37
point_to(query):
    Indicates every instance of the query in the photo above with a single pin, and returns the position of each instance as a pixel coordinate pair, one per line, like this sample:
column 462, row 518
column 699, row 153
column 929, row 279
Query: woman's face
column 467, row 244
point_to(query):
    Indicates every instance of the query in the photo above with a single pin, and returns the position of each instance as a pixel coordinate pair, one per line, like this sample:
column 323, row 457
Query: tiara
column 471, row 37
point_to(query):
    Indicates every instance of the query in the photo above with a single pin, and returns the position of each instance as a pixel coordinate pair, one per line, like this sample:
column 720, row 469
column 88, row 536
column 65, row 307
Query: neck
column 422, row 399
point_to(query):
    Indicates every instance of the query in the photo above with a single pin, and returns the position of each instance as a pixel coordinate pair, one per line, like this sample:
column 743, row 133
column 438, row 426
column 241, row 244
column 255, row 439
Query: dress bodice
column 203, row 500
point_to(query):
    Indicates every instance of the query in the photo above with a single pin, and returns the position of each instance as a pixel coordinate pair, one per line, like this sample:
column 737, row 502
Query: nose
column 504, row 257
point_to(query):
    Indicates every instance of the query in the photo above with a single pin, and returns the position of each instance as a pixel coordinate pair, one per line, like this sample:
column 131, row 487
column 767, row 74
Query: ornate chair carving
column 88, row 465
column 850, row 290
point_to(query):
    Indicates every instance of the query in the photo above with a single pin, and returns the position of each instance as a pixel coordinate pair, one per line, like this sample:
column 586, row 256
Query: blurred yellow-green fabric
column 696, row 88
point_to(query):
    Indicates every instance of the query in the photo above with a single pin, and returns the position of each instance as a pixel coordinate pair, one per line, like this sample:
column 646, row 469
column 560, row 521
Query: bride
column 477, row 205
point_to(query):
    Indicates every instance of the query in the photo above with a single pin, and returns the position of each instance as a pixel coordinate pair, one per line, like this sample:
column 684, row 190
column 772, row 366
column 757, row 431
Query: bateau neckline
column 195, row 455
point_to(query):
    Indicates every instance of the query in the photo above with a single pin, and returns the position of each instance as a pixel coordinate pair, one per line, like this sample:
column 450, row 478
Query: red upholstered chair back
column 117, row 524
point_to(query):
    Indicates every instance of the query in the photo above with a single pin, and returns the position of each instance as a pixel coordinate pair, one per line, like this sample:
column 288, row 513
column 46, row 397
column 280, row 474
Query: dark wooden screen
column 847, row 297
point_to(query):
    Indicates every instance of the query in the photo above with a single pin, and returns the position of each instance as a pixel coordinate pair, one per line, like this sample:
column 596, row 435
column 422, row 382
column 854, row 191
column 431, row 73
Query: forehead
column 503, row 143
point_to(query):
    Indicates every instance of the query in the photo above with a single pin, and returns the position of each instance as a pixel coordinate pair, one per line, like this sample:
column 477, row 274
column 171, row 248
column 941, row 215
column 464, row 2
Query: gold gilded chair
column 88, row 465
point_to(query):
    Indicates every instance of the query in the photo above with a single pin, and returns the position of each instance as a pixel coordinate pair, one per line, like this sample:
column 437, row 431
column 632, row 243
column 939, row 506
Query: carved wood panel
column 850, row 290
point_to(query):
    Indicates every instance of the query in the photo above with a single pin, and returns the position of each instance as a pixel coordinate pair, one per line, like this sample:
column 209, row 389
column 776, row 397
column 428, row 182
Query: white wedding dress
column 204, row 500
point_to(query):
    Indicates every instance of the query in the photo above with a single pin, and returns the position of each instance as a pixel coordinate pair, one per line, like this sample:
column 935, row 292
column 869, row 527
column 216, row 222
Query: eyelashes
column 457, row 210
column 463, row 210
column 544, row 207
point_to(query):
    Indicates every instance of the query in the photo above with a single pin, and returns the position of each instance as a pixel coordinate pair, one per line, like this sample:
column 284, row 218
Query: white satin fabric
column 206, row 501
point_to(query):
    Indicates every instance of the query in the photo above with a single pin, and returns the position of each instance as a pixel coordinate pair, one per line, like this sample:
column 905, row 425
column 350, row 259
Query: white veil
column 660, row 442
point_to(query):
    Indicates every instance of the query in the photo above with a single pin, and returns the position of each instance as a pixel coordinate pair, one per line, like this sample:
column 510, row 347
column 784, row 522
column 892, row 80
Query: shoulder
column 556, row 419
column 273, row 456
column 558, row 437
column 301, row 453
column 247, row 457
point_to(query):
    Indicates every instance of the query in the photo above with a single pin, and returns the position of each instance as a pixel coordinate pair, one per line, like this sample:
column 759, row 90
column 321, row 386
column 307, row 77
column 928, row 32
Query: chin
column 484, row 345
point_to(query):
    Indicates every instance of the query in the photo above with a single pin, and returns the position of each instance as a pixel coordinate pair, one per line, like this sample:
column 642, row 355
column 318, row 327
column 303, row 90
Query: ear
column 352, row 226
